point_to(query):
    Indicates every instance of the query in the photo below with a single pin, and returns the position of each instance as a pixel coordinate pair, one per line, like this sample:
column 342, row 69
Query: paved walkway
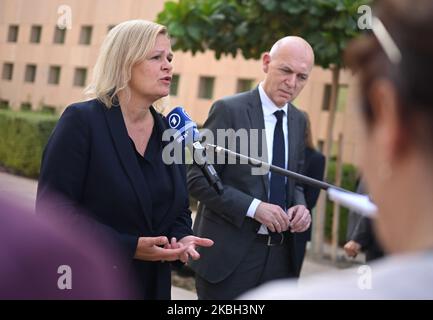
column 25, row 190
column 22, row 188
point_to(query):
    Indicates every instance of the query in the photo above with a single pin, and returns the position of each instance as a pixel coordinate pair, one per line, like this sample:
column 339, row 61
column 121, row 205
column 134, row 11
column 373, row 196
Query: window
column 26, row 106
column 13, row 33
column 341, row 98
column 174, row 85
column 35, row 34
column 30, row 74
column 48, row 109
column 86, row 35
column 54, row 75
column 4, row 104
column 59, row 35
column 8, row 70
column 80, row 76
column 205, row 89
column 244, row 85
column 321, row 145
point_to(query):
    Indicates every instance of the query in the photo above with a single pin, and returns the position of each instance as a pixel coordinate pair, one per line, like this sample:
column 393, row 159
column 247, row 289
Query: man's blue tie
column 277, row 186
column 277, row 189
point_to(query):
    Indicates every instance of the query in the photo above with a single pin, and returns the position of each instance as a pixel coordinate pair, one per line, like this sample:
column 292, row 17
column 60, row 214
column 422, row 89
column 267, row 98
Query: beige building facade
column 43, row 66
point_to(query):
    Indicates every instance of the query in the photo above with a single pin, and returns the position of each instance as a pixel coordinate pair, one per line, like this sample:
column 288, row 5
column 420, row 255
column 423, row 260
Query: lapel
column 255, row 113
column 129, row 161
column 291, row 145
column 292, row 130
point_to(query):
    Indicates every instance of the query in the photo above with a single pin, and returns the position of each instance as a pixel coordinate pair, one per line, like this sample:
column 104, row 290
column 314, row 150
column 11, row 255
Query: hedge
column 23, row 136
column 348, row 181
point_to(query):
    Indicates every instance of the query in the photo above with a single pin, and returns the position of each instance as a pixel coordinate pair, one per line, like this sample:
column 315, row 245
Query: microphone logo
column 174, row 120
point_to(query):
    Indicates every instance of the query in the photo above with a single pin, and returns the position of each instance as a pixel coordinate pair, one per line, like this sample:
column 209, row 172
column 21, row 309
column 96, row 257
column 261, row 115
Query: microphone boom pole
column 361, row 204
column 287, row 173
column 179, row 120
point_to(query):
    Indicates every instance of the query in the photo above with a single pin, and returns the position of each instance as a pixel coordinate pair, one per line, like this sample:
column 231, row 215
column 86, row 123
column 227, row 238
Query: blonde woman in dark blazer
column 104, row 158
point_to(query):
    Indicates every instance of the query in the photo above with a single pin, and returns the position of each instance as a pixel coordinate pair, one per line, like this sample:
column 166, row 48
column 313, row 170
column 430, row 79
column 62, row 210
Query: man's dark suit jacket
column 223, row 218
column 364, row 234
column 91, row 167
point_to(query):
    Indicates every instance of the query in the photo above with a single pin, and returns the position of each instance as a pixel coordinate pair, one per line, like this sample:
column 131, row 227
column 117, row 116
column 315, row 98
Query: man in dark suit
column 362, row 237
column 254, row 223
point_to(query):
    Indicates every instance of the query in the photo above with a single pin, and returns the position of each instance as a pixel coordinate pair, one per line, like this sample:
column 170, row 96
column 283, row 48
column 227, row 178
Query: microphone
column 187, row 133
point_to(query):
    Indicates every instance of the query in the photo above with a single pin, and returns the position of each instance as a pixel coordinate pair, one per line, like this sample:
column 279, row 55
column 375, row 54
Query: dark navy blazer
column 90, row 162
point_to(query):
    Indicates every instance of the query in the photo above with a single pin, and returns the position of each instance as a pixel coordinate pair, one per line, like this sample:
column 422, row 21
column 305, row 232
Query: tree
column 252, row 26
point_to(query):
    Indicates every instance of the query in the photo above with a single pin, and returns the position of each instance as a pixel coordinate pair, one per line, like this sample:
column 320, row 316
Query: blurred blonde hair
column 125, row 45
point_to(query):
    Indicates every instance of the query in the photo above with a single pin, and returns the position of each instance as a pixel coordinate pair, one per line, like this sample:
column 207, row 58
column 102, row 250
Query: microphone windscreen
column 179, row 120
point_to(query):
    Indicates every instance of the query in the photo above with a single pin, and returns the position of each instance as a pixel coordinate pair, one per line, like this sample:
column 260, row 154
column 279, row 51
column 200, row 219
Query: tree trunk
column 331, row 119
column 336, row 211
column 319, row 223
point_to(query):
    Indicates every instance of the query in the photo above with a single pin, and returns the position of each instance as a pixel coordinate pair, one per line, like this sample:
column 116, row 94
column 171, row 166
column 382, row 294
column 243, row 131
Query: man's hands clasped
column 297, row 218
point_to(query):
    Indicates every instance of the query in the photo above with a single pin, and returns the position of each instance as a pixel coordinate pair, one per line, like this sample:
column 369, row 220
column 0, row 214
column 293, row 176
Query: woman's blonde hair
column 125, row 45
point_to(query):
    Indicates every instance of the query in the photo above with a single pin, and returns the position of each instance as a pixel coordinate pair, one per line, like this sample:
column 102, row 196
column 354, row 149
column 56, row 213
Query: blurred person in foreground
column 396, row 72
column 104, row 159
column 42, row 259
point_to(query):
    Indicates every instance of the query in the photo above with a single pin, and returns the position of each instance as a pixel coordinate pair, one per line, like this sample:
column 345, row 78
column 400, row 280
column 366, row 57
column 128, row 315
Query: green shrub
column 23, row 136
column 48, row 109
column 348, row 182
column 26, row 106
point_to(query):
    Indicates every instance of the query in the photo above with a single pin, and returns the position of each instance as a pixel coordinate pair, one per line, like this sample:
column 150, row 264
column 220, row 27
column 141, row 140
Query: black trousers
column 261, row 264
